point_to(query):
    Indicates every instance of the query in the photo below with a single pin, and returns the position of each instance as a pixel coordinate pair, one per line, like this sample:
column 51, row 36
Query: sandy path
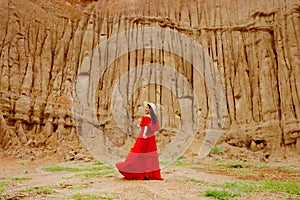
column 180, row 182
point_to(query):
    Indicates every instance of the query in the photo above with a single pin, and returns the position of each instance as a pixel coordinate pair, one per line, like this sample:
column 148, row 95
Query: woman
column 142, row 162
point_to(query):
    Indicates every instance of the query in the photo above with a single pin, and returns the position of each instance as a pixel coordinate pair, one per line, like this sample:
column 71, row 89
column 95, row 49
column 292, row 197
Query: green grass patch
column 67, row 177
column 78, row 187
column 60, row 168
column 221, row 194
column 278, row 186
column 2, row 186
column 73, row 187
column 39, row 190
column 104, row 165
column 283, row 168
column 216, row 150
column 295, row 175
column 108, row 173
column 248, row 173
column 27, row 190
column 164, row 162
column 89, row 175
column 94, row 174
column 181, row 163
column 96, row 167
column 21, row 178
column 99, row 163
column 44, row 190
column 194, row 180
column 242, row 186
column 84, row 196
column 257, row 186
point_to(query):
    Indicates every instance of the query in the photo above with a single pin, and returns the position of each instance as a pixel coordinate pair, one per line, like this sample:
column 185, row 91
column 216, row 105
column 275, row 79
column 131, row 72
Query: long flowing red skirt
column 142, row 161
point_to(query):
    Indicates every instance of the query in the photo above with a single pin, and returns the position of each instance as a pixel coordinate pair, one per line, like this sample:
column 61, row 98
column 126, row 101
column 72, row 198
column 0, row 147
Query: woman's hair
column 153, row 115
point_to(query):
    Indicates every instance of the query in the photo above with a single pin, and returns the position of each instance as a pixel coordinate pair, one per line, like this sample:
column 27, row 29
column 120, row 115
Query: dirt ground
column 187, row 178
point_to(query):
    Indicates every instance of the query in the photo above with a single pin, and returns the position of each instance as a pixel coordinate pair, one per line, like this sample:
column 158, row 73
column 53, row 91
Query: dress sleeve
column 145, row 121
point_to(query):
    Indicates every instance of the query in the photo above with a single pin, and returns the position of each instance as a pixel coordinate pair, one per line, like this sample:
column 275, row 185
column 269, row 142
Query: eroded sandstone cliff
column 254, row 44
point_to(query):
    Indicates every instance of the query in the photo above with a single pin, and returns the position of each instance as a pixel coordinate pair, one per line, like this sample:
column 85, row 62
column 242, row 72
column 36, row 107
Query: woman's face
column 147, row 110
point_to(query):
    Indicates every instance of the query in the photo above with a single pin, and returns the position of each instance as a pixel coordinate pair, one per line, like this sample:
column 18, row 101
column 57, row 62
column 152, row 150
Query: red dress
column 142, row 160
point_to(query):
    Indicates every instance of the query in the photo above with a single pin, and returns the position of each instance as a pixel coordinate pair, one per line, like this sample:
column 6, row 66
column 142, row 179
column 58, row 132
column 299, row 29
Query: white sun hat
column 152, row 105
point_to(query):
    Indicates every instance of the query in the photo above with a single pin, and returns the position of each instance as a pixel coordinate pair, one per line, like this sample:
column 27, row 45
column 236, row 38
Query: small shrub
column 2, row 186
column 216, row 150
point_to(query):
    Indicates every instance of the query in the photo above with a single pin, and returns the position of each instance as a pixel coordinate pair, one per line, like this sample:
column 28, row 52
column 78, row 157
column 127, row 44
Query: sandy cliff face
column 254, row 45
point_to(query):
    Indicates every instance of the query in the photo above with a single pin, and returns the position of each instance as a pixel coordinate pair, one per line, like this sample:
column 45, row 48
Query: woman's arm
column 145, row 131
